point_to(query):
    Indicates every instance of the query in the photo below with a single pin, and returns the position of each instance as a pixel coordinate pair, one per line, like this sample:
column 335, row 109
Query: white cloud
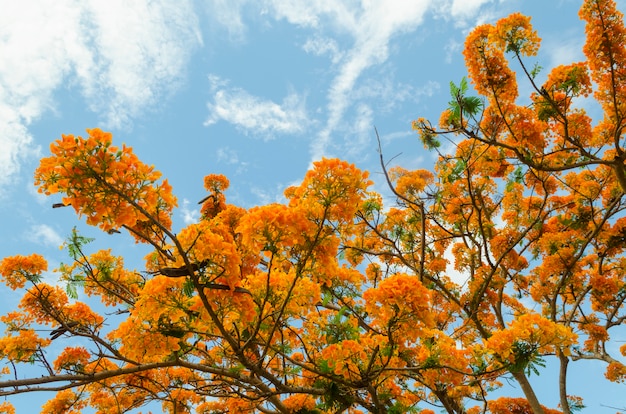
column 318, row 13
column 371, row 24
column 40, row 198
column 466, row 9
column 229, row 156
column 323, row 45
column 466, row 14
column 368, row 26
column 362, row 130
column 44, row 234
column 564, row 49
column 189, row 215
column 388, row 94
column 227, row 14
column 371, row 97
column 392, row 136
column 453, row 49
column 142, row 50
column 121, row 55
column 216, row 82
column 273, row 195
column 255, row 115
column 265, row 196
column 16, row 144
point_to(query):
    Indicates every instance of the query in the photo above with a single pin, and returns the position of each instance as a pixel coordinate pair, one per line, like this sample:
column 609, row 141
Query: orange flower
column 65, row 402
column 73, row 359
column 107, row 184
column 333, row 190
column 44, row 303
column 539, row 333
column 298, row 402
column 7, row 408
column 616, row 372
column 16, row 270
column 505, row 405
column 103, row 275
column 606, row 54
column 20, row 348
column 215, row 202
column 400, row 299
column 410, row 183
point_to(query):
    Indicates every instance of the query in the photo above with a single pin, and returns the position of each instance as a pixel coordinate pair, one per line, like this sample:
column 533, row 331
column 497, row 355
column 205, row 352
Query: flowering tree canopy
column 332, row 302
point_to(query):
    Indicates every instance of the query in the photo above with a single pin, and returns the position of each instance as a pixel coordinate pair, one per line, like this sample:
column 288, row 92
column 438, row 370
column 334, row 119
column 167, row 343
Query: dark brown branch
column 64, row 328
column 184, row 271
column 19, row 386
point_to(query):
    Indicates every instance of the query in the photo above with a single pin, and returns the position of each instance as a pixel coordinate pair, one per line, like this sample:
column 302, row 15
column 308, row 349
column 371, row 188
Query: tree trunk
column 450, row 404
column 563, row 360
column 520, row 377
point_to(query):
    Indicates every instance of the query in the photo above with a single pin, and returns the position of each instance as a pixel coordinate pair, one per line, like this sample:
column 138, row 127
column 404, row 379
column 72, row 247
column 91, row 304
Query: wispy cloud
column 16, row 144
column 267, row 196
column 392, row 136
column 227, row 14
column 188, row 213
column 371, row 26
column 465, row 14
column 45, row 235
column 323, row 46
column 254, row 115
column 361, row 131
column 464, row 10
column 453, row 50
column 122, row 56
column 564, row 49
column 356, row 36
column 229, row 156
column 138, row 54
column 387, row 93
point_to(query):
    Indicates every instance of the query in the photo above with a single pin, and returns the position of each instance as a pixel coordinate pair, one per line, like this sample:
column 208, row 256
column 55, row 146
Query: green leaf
column 527, row 358
column 535, row 70
column 461, row 105
column 75, row 244
column 371, row 206
column 236, row 369
column 104, row 271
column 454, row 90
column 429, row 140
column 463, row 85
column 326, row 298
column 457, row 170
column 71, row 290
column 188, row 288
column 472, row 105
column 575, row 404
column 324, row 367
column 73, row 281
column 337, row 318
column 399, row 408
column 517, row 176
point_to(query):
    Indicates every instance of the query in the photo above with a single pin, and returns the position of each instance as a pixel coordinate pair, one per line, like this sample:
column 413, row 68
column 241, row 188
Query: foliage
column 333, row 303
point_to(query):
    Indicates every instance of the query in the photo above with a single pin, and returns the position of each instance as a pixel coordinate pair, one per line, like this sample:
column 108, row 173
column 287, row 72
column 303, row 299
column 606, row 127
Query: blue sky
column 255, row 90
